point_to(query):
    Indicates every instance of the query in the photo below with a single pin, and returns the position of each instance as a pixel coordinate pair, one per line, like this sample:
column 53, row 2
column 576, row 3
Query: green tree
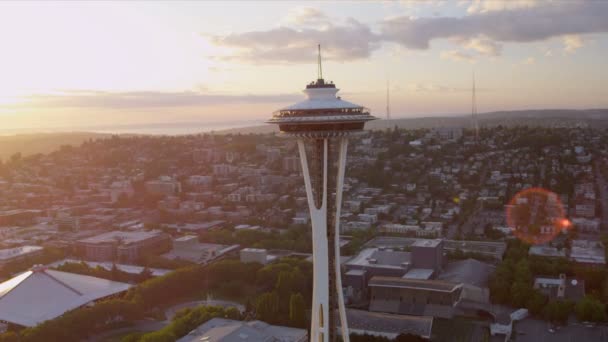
column 536, row 302
column 590, row 309
column 297, row 310
column 557, row 311
column 267, row 307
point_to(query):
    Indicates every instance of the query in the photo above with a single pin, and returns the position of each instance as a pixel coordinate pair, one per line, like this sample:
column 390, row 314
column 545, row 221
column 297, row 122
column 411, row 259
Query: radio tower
column 388, row 101
column 474, row 112
column 322, row 124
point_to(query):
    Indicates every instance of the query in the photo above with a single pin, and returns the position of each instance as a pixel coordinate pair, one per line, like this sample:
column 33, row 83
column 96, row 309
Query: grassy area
column 452, row 330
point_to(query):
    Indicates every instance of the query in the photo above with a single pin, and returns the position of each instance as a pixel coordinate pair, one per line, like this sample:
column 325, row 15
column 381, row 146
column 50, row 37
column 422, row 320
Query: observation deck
column 322, row 114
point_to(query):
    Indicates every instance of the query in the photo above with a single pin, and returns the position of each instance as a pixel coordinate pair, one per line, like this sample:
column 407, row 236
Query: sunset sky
column 84, row 64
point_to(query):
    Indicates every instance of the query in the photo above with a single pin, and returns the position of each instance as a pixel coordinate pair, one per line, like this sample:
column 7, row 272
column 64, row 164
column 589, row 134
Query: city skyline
column 205, row 61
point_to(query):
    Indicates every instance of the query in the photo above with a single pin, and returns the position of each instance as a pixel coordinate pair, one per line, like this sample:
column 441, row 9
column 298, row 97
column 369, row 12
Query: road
column 533, row 330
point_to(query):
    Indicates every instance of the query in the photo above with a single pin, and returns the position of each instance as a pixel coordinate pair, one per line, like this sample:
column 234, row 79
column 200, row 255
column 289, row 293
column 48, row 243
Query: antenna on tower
column 474, row 110
column 388, row 100
column 320, row 67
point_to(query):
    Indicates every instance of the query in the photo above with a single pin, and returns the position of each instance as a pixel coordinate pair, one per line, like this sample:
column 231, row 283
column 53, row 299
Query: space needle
column 322, row 124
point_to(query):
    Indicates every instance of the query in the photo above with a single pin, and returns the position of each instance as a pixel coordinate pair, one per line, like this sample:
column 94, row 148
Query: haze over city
column 86, row 65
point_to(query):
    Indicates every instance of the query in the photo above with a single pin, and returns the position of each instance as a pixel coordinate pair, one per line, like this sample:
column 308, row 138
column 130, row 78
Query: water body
column 167, row 128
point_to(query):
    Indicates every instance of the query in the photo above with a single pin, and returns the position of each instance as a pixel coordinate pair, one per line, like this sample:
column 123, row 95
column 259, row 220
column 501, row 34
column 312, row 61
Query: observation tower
column 322, row 124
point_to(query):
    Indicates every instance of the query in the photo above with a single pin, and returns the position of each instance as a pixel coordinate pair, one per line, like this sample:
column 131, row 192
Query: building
column 560, row 288
column 42, row 294
column 66, row 221
column 468, row 271
column 18, row 217
column 18, row 253
column 165, row 186
column 291, row 164
column 200, row 182
column 363, row 322
column 228, row 330
column 322, row 124
column 436, row 298
column 189, row 249
column 428, row 254
column 258, row 255
column 375, row 262
column 547, row 251
column 588, row 252
column 120, row 189
column 198, row 228
column 587, row 225
column 586, row 209
column 448, row 133
column 123, row 246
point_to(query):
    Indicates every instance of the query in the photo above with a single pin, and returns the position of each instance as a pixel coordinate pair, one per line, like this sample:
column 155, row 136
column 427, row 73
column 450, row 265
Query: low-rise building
column 165, row 186
column 189, row 249
column 436, row 298
column 547, row 251
column 587, row 225
column 390, row 326
column 123, row 246
column 18, row 253
column 561, row 288
column 588, row 252
column 258, row 255
column 228, row 330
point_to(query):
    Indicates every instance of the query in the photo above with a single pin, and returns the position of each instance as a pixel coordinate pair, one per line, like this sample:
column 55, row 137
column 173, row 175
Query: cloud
column 488, row 25
column 483, row 6
column 483, row 46
column 525, row 24
column 146, row 99
column 572, row 42
column 306, row 16
column 349, row 41
column 457, row 56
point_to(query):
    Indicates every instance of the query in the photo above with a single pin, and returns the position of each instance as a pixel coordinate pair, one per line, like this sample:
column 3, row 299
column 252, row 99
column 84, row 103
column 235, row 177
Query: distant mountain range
column 597, row 118
column 28, row 144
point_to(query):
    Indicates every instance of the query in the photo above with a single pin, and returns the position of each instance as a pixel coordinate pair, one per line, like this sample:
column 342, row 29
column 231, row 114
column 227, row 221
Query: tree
column 590, row 309
column 557, row 311
column 267, row 307
column 297, row 310
column 536, row 302
column 521, row 292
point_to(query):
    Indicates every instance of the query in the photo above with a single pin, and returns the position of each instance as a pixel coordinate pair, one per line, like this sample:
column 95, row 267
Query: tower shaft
column 321, row 179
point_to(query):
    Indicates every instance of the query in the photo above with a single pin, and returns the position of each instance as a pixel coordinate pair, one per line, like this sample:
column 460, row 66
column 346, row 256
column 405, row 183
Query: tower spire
column 474, row 110
column 388, row 100
column 320, row 66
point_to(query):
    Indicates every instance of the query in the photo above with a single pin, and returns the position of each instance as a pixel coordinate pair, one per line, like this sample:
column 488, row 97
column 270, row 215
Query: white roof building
column 228, row 330
column 43, row 294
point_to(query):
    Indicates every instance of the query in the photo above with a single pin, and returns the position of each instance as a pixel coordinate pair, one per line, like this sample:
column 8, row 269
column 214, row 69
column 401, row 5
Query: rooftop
column 228, row 330
column 427, row 243
column 547, row 251
column 588, row 252
column 419, row 273
column 374, row 257
column 469, row 271
column 7, row 254
column 125, row 238
column 42, row 294
column 388, row 325
column 418, row 284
